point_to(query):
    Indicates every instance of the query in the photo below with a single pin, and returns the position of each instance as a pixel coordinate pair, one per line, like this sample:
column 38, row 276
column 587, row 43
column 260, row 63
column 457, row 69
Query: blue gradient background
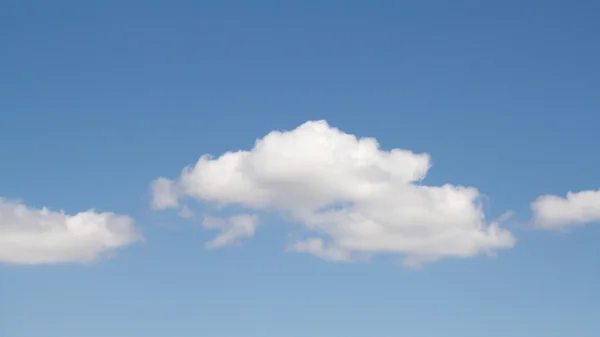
column 99, row 98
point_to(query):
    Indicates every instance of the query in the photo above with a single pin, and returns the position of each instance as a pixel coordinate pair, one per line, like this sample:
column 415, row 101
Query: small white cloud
column 40, row 236
column 164, row 194
column 186, row 212
column 553, row 212
column 357, row 199
column 232, row 229
column 317, row 247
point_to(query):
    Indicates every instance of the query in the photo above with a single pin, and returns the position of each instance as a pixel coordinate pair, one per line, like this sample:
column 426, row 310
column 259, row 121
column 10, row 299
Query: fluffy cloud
column 233, row 229
column 553, row 212
column 41, row 236
column 164, row 194
column 353, row 199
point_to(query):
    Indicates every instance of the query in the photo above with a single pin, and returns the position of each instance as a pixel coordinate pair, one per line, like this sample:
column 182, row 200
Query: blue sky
column 99, row 100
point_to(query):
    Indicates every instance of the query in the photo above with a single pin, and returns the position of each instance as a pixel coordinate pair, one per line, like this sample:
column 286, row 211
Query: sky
column 299, row 168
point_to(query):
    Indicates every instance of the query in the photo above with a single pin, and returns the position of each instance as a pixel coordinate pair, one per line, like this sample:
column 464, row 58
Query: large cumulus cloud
column 353, row 199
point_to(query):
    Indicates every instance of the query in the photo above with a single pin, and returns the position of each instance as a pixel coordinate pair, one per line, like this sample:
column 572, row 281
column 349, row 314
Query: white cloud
column 42, row 236
column 186, row 212
column 233, row 229
column 553, row 212
column 354, row 199
column 164, row 194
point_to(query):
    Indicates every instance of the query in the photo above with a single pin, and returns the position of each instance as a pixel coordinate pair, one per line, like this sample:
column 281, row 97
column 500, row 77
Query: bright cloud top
column 41, row 236
column 355, row 199
column 554, row 212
